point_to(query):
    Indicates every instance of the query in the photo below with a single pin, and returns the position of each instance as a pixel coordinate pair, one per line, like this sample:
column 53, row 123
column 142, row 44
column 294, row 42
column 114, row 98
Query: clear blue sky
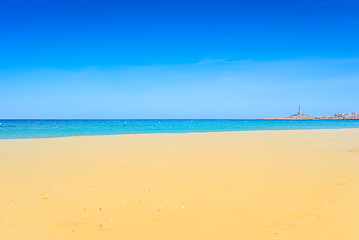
column 178, row 59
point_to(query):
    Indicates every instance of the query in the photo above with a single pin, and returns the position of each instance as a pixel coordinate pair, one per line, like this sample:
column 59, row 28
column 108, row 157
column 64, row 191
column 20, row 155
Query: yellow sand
column 240, row 185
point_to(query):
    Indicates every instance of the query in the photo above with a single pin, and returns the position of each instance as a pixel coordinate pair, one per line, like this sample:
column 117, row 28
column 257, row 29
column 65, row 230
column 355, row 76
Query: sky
column 178, row 59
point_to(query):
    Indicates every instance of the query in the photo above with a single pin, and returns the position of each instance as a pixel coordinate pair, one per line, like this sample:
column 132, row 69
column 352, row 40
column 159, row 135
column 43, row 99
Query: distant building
column 346, row 115
column 339, row 114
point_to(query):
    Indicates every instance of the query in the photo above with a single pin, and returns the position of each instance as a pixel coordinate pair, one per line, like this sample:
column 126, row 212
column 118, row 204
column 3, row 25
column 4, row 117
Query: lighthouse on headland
column 299, row 111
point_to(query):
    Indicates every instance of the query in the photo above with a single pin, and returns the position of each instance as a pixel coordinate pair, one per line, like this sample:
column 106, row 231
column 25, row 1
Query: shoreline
column 124, row 134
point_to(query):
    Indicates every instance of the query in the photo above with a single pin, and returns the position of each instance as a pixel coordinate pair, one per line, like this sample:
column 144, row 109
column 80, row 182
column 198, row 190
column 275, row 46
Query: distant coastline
column 336, row 116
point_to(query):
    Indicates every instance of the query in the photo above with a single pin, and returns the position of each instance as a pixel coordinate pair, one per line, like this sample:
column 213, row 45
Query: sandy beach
column 237, row 185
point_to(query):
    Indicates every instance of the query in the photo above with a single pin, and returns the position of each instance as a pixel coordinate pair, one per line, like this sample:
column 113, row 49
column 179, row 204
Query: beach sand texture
column 237, row 185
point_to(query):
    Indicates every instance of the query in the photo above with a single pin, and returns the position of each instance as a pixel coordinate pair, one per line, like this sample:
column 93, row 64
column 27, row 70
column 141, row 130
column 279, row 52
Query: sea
column 23, row 129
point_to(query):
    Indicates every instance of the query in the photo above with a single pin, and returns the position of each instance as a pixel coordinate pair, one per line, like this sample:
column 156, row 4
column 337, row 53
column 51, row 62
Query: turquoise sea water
column 17, row 129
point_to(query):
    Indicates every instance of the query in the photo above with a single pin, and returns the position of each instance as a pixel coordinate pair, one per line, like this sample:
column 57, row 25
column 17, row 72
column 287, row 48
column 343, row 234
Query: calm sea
column 15, row 129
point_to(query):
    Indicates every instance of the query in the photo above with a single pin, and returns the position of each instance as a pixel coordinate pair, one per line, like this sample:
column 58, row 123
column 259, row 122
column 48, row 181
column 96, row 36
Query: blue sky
column 178, row 59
